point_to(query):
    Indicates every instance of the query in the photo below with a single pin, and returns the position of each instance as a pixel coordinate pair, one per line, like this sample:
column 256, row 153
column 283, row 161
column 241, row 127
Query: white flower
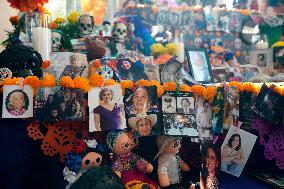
column 68, row 175
column 91, row 143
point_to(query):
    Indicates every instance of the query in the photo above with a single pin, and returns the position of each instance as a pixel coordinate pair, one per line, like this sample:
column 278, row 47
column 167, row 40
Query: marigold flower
column 67, row 82
column 48, row 81
column 96, row 80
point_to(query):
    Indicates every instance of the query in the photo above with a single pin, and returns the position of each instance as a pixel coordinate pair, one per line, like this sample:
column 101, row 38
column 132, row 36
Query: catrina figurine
column 127, row 165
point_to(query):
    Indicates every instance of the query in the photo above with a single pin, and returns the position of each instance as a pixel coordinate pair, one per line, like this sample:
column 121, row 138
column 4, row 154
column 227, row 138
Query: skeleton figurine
column 56, row 40
column 119, row 34
column 86, row 25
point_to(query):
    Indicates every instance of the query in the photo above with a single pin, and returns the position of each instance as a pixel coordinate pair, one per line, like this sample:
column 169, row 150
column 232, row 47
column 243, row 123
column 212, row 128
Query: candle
column 42, row 41
column 261, row 45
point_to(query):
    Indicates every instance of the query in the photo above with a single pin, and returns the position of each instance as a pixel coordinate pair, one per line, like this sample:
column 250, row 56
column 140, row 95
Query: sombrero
column 133, row 120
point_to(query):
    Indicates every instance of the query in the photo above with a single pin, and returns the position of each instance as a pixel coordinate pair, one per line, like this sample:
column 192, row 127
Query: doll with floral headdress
column 127, row 165
column 170, row 163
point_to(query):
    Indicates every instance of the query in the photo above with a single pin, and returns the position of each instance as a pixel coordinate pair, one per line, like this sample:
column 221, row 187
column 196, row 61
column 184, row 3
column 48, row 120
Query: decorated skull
column 86, row 24
column 105, row 71
column 56, row 40
column 198, row 42
column 119, row 32
column 238, row 43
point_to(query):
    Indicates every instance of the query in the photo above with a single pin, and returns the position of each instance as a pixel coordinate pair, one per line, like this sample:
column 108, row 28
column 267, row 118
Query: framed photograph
column 177, row 124
column 169, row 104
column 152, row 71
column 235, row 22
column 106, row 109
column 17, row 101
column 276, row 181
column 170, row 70
column 261, row 58
column 249, row 71
column 278, row 57
column 185, row 105
column 236, row 150
column 219, row 75
column 141, row 100
column 68, row 64
column 199, row 65
column 58, row 103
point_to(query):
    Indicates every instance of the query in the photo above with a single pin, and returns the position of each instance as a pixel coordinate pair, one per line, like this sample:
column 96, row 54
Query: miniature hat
column 168, row 99
column 163, row 141
column 132, row 122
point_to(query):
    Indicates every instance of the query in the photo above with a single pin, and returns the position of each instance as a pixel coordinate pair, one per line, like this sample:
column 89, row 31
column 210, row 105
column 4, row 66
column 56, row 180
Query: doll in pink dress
column 127, row 165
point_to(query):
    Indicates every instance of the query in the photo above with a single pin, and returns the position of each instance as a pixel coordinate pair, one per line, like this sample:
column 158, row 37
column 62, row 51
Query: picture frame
column 199, row 65
column 262, row 58
column 276, row 181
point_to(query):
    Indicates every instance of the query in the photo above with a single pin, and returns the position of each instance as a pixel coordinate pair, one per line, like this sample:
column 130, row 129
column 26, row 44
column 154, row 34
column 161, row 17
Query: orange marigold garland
column 33, row 81
column 11, row 81
column 185, row 88
column 81, row 83
column 238, row 85
column 67, row 82
column 142, row 83
column 48, row 81
column 210, row 93
column 277, row 89
column 109, row 82
column 170, row 86
column 126, row 84
column 45, row 64
column 27, row 5
column 160, row 90
column 249, row 87
column 97, row 80
column 199, row 90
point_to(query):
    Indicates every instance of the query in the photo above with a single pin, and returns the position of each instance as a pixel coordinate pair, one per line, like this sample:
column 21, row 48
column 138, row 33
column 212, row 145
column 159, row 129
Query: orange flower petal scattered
column 67, row 82
column 48, row 81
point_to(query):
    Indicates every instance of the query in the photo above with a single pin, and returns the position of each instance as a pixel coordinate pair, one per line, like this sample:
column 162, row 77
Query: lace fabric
column 272, row 138
column 59, row 139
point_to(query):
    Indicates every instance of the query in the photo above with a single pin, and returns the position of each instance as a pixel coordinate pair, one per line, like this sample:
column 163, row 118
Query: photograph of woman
column 233, row 157
column 106, row 109
column 142, row 100
column 17, row 102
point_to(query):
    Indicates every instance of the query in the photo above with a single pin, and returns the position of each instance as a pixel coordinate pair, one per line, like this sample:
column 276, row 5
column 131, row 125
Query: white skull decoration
column 86, row 25
column 198, row 42
column 56, row 40
column 238, row 43
column 105, row 71
column 119, row 32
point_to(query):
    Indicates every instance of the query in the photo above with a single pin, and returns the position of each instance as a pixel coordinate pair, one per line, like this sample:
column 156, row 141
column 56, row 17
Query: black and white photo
column 169, row 104
column 185, row 105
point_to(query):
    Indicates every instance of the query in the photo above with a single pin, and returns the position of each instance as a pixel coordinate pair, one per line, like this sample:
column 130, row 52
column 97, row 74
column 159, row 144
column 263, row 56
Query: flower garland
column 48, row 81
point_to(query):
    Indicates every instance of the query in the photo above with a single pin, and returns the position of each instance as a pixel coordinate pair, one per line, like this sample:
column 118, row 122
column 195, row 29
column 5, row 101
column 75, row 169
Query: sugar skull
column 105, row 71
column 56, row 40
column 198, row 42
column 238, row 43
column 86, row 24
column 119, row 32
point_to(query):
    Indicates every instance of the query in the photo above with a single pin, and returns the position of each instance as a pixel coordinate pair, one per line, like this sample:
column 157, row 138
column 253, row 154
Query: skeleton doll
column 119, row 32
column 86, row 25
column 56, row 40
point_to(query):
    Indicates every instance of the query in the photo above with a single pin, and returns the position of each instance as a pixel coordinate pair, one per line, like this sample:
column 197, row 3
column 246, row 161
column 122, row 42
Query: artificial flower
column 82, row 83
column 73, row 16
column 48, row 81
column 109, row 82
column 67, row 82
column 170, row 86
column 11, row 81
column 97, row 80
column 14, row 20
column 53, row 26
column 142, row 83
column 27, row 5
column 73, row 161
column 97, row 63
column 185, row 88
column 172, row 48
column 33, row 81
column 80, row 147
column 59, row 20
column 45, row 64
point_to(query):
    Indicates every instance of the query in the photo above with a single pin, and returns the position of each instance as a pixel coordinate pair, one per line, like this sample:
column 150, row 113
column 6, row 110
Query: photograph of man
column 185, row 105
column 169, row 104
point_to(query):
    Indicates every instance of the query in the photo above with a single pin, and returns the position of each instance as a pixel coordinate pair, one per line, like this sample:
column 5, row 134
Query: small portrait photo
column 278, row 57
column 210, row 164
column 249, row 71
column 143, row 124
column 219, row 75
column 106, row 109
column 204, row 118
column 199, row 65
column 141, row 100
column 186, row 105
column 58, row 103
column 130, row 69
column 261, row 60
column 17, row 102
column 169, row 104
column 170, row 70
column 152, row 71
column 236, row 150
column 68, row 64
column 176, row 124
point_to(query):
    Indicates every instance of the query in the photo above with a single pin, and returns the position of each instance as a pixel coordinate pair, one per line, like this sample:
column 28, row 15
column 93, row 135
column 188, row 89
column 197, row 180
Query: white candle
column 261, row 45
column 180, row 51
column 42, row 41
